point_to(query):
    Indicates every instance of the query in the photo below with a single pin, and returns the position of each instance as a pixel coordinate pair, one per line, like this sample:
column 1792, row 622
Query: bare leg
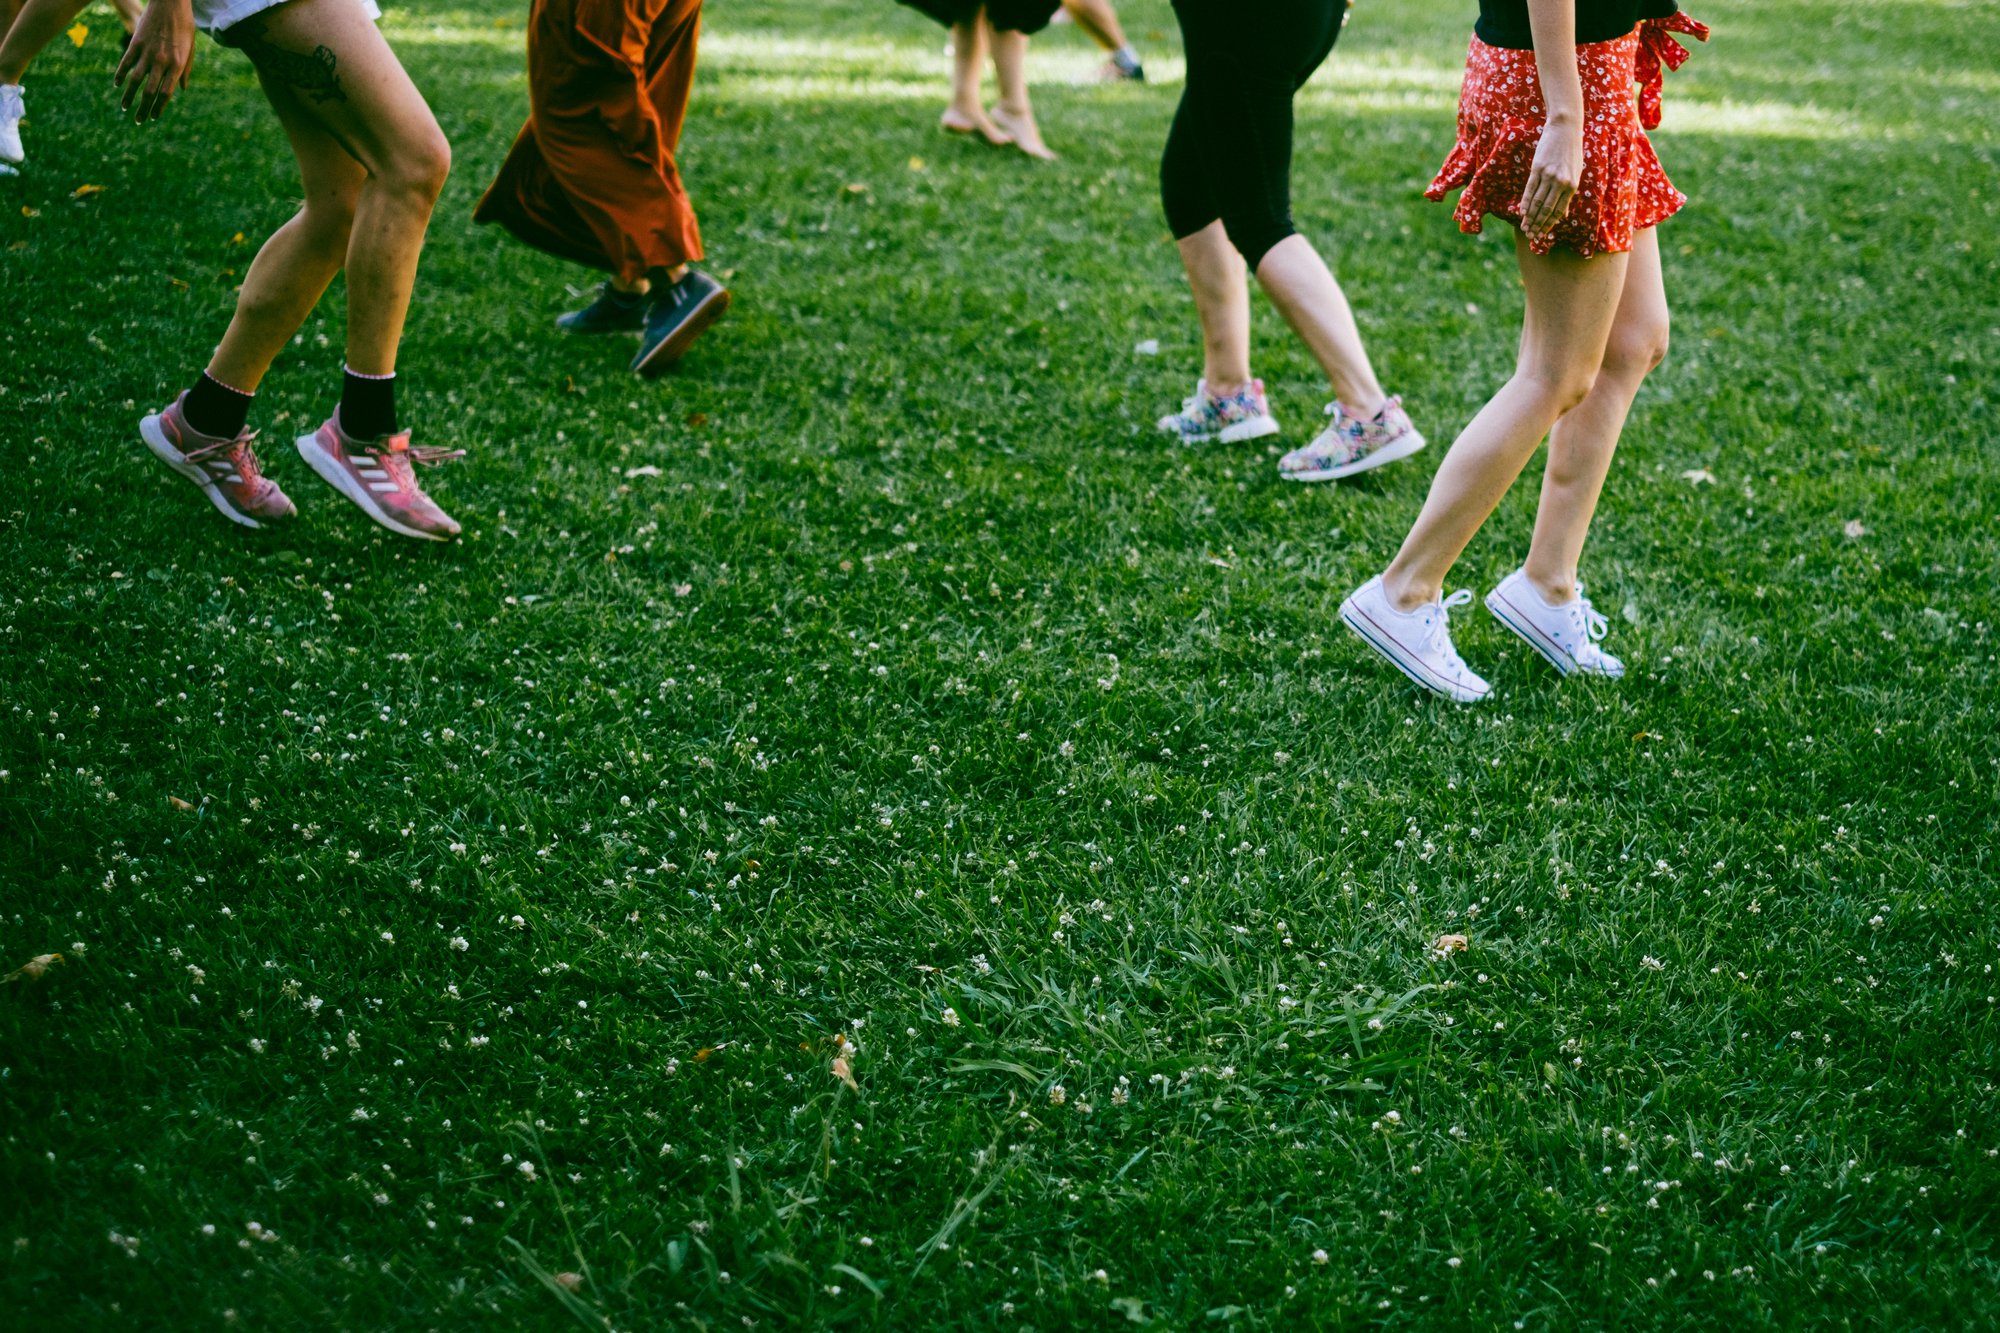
column 1099, row 21
column 1302, row 287
column 39, row 23
column 1581, row 445
column 1570, row 307
column 1013, row 113
column 328, row 58
column 1222, row 296
column 967, row 112
column 292, row 270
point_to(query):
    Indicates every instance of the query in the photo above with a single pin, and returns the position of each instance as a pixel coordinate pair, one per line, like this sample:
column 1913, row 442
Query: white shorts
column 216, row 15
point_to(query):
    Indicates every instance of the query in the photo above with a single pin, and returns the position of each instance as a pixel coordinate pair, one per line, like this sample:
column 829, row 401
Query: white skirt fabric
column 216, row 15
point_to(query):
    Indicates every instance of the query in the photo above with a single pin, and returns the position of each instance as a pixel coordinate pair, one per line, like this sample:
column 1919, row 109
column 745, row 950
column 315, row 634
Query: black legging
column 1229, row 154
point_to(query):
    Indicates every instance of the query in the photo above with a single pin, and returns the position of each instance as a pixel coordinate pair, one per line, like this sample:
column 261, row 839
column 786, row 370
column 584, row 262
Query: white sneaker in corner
column 1567, row 635
column 11, row 111
column 1417, row 643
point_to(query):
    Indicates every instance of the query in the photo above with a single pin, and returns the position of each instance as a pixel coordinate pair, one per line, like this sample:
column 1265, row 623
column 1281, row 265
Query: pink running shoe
column 379, row 476
column 225, row 470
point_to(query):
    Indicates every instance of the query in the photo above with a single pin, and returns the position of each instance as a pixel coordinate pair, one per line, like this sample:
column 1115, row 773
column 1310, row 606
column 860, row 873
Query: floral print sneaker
column 1243, row 415
column 1352, row 445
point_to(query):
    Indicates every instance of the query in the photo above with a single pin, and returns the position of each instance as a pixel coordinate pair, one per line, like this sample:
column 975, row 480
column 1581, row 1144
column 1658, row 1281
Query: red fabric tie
column 1657, row 54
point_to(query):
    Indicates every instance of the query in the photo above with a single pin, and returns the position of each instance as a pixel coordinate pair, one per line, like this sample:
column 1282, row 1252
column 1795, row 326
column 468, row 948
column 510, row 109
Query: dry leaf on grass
column 78, row 34
column 1449, row 944
column 844, row 1072
column 178, row 804
column 569, row 1281
column 32, row 970
column 1854, row 528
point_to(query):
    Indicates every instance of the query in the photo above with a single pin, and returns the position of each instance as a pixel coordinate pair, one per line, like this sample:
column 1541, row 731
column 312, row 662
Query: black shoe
column 678, row 316
column 612, row 312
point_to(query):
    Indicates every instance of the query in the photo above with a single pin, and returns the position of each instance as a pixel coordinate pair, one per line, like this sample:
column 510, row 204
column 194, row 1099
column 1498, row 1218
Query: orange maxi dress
column 591, row 177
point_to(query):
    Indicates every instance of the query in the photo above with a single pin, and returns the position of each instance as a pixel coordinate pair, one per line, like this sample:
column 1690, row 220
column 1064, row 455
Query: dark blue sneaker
column 678, row 315
column 612, row 312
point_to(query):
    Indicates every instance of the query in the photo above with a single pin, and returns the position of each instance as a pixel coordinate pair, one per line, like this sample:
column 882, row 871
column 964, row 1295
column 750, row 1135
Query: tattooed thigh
column 314, row 75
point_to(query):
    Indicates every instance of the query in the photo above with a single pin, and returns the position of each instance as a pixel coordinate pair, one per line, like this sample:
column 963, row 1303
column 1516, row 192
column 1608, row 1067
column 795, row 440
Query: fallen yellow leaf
column 32, row 970
column 178, row 804
column 569, row 1281
column 916, row 164
column 1449, row 944
column 83, row 191
column 844, row 1072
column 77, row 34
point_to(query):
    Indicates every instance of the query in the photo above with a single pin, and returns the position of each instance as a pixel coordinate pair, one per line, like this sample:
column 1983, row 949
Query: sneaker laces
column 239, row 453
column 396, row 462
column 1595, row 627
column 1440, row 629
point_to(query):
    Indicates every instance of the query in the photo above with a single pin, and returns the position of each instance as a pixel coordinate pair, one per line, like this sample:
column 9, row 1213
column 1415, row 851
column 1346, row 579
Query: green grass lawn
column 880, row 678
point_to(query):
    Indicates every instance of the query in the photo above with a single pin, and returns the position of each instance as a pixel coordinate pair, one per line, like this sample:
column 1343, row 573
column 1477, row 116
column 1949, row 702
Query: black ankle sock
column 213, row 408
column 367, row 406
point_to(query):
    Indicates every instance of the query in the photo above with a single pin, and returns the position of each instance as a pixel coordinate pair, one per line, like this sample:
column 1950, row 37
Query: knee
column 1561, row 389
column 418, row 168
column 1635, row 350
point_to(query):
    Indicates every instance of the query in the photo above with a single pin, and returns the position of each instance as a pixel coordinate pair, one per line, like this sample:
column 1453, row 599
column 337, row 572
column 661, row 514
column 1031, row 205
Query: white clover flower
column 1321, row 1257
column 1058, row 1095
column 388, row 937
column 257, row 1045
column 359, row 1113
column 949, row 1017
column 460, row 943
column 527, row 1169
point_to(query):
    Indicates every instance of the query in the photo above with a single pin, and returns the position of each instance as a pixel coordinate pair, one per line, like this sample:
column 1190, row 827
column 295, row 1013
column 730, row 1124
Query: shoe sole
column 163, row 449
column 1506, row 613
column 674, row 347
column 334, row 475
column 575, row 332
column 1390, row 453
column 1256, row 428
column 1512, row 617
column 1377, row 638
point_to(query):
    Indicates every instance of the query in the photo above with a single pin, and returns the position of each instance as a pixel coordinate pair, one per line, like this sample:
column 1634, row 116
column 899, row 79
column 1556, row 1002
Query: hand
column 1552, row 180
column 157, row 60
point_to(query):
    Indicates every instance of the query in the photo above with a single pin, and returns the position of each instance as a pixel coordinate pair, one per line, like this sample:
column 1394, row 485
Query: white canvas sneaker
column 1567, row 635
column 11, row 111
column 1417, row 643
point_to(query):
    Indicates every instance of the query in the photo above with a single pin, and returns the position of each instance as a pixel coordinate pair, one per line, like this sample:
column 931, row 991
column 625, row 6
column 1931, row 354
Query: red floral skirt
column 1500, row 119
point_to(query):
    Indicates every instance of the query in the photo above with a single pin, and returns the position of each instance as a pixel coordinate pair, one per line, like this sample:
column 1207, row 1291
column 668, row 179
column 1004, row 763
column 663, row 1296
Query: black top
column 1505, row 22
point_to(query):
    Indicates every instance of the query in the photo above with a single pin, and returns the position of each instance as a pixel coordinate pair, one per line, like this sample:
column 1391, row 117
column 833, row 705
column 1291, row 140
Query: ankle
column 1556, row 590
column 1365, row 406
column 1405, row 592
column 1225, row 386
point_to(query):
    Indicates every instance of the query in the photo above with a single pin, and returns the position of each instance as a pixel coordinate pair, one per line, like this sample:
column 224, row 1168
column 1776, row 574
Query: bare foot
column 954, row 121
column 1020, row 125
